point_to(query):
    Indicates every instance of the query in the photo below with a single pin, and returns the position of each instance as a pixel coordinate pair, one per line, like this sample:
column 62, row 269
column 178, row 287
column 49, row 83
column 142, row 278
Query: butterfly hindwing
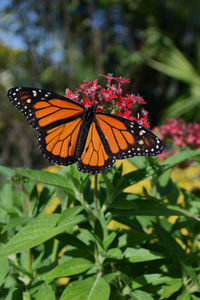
column 57, row 119
column 124, row 138
column 93, row 158
column 59, row 143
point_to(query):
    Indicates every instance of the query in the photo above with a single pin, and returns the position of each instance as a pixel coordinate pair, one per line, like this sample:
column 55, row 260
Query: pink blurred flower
column 179, row 135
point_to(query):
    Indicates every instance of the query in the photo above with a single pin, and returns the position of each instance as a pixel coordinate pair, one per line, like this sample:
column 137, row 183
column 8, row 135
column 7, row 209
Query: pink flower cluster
column 109, row 99
column 180, row 134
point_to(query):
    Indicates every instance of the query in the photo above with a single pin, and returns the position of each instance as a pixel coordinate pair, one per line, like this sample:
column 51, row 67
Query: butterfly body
column 69, row 132
column 87, row 118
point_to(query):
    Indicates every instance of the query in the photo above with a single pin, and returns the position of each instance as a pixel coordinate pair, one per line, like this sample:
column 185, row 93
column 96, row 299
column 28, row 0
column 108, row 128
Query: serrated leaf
column 89, row 289
column 140, row 255
column 37, row 232
column 68, row 268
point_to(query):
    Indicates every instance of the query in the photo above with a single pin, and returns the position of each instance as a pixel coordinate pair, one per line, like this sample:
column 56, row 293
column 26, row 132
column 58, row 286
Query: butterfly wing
column 93, row 158
column 123, row 138
column 57, row 119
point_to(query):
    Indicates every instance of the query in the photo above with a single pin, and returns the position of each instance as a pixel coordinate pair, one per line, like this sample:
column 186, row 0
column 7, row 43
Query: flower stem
column 95, row 195
column 55, row 249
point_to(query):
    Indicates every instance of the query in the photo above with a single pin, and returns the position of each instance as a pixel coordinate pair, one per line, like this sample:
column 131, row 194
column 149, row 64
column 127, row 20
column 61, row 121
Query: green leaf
column 171, row 288
column 87, row 289
column 15, row 222
column 154, row 279
column 7, row 171
column 45, row 291
column 108, row 240
column 132, row 178
column 70, row 239
column 173, row 63
column 69, row 213
column 68, row 268
column 190, row 272
column 141, row 295
column 138, row 161
column 115, row 252
column 195, row 297
column 172, row 247
column 36, row 232
column 150, row 207
column 112, row 276
column 179, row 157
column 10, row 294
column 185, row 295
column 140, row 255
column 4, row 268
column 179, row 211
column 44, row 177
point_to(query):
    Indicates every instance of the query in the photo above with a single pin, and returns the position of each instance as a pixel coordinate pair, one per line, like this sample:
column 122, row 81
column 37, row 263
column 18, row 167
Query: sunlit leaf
column 171, row 288
column 140, row 255
column 93, row 288
column 70, row 267
column 36, row 232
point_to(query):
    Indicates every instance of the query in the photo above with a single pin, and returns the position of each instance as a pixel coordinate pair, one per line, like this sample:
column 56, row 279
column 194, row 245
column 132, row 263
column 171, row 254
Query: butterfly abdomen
column 87, row 119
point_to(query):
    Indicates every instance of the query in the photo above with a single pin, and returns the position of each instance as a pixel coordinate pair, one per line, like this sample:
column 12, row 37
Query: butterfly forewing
column 57, row 119
column 42, row 108
column 124, row 138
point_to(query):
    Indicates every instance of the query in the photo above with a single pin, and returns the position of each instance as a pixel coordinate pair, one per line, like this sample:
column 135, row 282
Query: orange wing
column 57, row 119
column 42, row 108
column 123, row 138
column 94, row 158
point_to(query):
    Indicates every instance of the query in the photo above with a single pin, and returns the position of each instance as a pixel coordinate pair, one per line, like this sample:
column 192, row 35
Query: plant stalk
column 55, row 250
column 95, row 195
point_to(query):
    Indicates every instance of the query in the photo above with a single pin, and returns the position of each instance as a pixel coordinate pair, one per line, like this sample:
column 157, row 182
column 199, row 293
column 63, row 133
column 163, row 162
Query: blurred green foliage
column 174, row 64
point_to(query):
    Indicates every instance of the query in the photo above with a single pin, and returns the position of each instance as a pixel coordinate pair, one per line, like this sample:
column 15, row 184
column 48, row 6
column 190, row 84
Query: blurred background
column 58, row 44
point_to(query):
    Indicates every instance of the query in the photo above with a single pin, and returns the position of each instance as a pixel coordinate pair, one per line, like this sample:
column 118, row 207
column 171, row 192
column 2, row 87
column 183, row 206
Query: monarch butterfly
column 69, row 132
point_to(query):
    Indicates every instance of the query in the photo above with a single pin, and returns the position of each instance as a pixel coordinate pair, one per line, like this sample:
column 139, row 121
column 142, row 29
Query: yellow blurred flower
column 63, row 280
column 115, row 224
column 53, row 205
column 187, row 178
column 135, row 188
